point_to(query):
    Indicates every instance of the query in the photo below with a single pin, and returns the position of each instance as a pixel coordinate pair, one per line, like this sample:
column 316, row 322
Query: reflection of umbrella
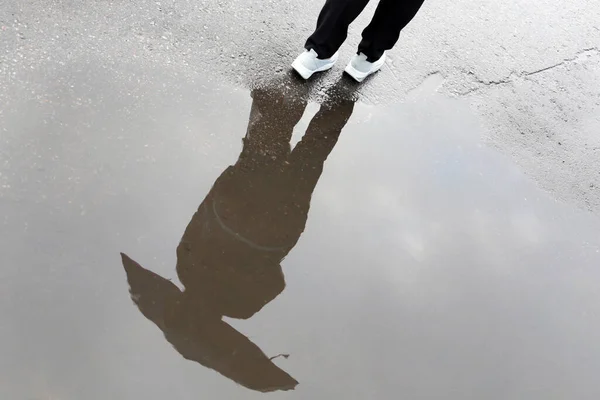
column 200, row 335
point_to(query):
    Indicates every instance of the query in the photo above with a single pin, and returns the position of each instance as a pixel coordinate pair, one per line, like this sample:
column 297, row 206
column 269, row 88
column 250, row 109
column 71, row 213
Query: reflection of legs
column 322, row 134
column 332, row 25
column 384, row 30
column 272, row 120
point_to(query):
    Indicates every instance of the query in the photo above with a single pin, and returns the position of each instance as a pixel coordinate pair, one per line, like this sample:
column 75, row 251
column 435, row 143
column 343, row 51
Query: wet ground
column 173, row 233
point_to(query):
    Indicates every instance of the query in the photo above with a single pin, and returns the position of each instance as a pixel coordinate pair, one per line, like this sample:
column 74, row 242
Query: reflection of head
column 229, row 256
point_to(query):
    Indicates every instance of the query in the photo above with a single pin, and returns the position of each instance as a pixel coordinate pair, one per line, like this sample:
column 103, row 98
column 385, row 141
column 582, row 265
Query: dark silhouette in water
column 229, row 257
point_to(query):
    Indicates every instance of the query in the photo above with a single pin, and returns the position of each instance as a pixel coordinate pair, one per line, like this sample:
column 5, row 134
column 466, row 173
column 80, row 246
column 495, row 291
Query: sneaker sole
column 359, row 76
column 306, row 73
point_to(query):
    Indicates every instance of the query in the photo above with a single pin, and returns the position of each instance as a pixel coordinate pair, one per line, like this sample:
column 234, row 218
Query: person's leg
column 308, row 157
column 273, row 115
column 383, row 32
column 332, row 26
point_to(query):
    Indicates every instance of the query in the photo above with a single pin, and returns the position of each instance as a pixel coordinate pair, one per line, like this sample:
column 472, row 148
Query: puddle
column 387, row 252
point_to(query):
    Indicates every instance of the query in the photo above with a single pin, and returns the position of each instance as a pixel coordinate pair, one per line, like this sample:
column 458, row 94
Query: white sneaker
column 359, row 68
column 309, row 62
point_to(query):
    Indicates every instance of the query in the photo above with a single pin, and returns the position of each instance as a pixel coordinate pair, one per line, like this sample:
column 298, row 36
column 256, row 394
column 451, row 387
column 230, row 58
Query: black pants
column 381, row 34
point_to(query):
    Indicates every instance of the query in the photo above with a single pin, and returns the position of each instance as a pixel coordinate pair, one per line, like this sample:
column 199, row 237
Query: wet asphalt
column 181, row 217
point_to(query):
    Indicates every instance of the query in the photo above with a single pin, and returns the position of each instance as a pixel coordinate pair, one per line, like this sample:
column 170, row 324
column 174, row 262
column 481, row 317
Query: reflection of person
column 229, row 256
column 332, row 29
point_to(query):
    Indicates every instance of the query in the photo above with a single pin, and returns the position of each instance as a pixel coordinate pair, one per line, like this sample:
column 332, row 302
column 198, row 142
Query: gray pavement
column 433, row 234
column 494, row 54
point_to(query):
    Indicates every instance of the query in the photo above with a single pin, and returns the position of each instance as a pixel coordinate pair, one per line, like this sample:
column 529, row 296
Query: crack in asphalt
column 482, row 84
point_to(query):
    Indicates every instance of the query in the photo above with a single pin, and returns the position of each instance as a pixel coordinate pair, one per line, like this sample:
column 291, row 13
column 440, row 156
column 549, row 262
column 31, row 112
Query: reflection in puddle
column 229, row 257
